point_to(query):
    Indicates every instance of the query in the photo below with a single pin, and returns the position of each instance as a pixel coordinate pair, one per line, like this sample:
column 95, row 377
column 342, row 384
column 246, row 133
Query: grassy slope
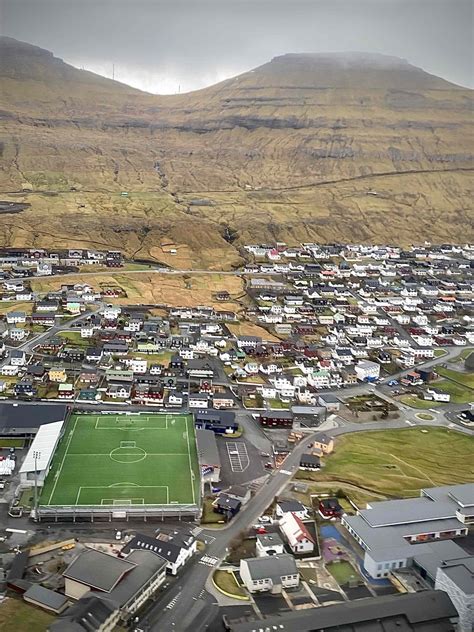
column 400, row 462
column 288, row 124
column 17, row 615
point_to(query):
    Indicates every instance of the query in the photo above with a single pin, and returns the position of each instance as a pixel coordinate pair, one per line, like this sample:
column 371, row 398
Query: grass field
column 460, row 394
column 399, row 462
column 466, row 379
column 416, row 402
column 17, row 615
column 342, row 571
column 129, row 459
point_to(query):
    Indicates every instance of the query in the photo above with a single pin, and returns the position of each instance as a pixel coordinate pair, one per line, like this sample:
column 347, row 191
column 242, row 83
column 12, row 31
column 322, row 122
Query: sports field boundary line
column 58, row 473
column 191, row 473
column 136, row 487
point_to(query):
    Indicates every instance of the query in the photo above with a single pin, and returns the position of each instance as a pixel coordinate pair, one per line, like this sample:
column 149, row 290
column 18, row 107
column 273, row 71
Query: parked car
column 265, row 520
column 261, row 530
column 118, row 535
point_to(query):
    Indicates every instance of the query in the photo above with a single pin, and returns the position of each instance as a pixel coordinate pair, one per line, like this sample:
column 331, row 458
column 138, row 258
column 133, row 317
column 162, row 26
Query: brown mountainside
column 306, row 147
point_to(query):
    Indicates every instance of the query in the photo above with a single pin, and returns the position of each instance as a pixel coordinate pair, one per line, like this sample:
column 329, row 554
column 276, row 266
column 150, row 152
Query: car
column 118, row 535
column 264, row 455
column 268, row 466
column 265, row 520
column 261, row 530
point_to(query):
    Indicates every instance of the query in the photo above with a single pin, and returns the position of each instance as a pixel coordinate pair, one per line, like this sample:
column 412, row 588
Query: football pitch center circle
column 128, row 455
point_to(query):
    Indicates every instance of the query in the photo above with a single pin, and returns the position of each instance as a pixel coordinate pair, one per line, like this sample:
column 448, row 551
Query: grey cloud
column 162, row 45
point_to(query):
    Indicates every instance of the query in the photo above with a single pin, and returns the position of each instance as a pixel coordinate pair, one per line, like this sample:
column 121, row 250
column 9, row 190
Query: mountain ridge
column 287, row 151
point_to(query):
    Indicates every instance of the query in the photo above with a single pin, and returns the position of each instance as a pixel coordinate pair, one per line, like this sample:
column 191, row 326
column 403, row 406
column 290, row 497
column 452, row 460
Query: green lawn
column 399, row 462
column 438, row 353
column 416, row 402
column 209, row 516
column 342, row 572
column 277, row 404
column 459, row 394
column 17, row 615
column 11, row 443
column 74, row 338
column 123, row 460
column 227, row 582
column 462, row 356
column 466, row 379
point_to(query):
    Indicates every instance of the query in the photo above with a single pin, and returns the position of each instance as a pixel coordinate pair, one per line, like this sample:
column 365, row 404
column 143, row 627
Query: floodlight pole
column 36, row 456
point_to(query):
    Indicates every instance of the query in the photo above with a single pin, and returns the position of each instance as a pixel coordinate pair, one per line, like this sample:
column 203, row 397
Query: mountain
column 308, row 147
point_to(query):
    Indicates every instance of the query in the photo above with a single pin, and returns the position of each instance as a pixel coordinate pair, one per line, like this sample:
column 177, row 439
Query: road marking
column 196, row 531
column 207, row 560
column 238, row 456
column 287, row 472
column 172, row 603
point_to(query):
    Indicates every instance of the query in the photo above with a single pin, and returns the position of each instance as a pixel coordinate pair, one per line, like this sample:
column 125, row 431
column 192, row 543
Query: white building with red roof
column 297, row 534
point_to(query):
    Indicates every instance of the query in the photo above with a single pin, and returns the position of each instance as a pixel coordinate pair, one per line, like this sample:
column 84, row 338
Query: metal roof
column 207, row 448
column 412, row 612
column 43, row 445
column 395, row 512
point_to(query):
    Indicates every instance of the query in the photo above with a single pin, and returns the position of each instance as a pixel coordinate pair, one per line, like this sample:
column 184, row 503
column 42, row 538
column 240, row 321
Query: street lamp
column 36, row 456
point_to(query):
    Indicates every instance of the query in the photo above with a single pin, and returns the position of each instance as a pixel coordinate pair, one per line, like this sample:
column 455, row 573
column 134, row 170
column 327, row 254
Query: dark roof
column 228, row 502
column 276, row 414
column 310, row 459
column 88, row 614
column 17, row 569
column 411, row 612
column 168, row 550
column 19, row 418
column 290, row 505
column 98, row 570
column 49, row 599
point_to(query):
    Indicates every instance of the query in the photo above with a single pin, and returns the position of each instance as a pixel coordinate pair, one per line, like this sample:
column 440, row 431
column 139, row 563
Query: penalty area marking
column 107, row 489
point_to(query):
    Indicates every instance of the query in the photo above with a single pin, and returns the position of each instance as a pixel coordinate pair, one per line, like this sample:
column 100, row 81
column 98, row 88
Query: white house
column 18, row 334
column 291, row 506
column 10, row 369
column 176, row 547
column 13, row 318
column 199, row 400
column 269, row 573
column 111, row 312
column 296, row 533
column 17, row 357
column 437, row 396
column 269, row 544
column 366, row 369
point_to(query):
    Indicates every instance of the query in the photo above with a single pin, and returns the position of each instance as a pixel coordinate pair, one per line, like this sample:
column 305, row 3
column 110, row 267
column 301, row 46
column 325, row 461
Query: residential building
column 268, row 544
column 291, row 506
column 269, row 574
column 297, row 534
column 175, row 547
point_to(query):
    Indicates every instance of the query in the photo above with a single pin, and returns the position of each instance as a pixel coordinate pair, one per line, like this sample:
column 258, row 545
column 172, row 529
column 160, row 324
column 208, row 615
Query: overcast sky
column 165, row 45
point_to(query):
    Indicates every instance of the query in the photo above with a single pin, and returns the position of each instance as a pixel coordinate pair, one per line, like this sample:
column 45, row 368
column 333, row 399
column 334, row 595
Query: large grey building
column 394, row 532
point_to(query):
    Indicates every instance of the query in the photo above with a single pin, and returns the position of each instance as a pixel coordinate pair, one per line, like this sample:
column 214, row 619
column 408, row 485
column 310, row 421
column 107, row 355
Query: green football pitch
column 131, row 459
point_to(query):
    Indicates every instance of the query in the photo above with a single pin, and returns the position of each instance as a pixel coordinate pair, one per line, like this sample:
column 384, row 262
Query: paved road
column 187, row 604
